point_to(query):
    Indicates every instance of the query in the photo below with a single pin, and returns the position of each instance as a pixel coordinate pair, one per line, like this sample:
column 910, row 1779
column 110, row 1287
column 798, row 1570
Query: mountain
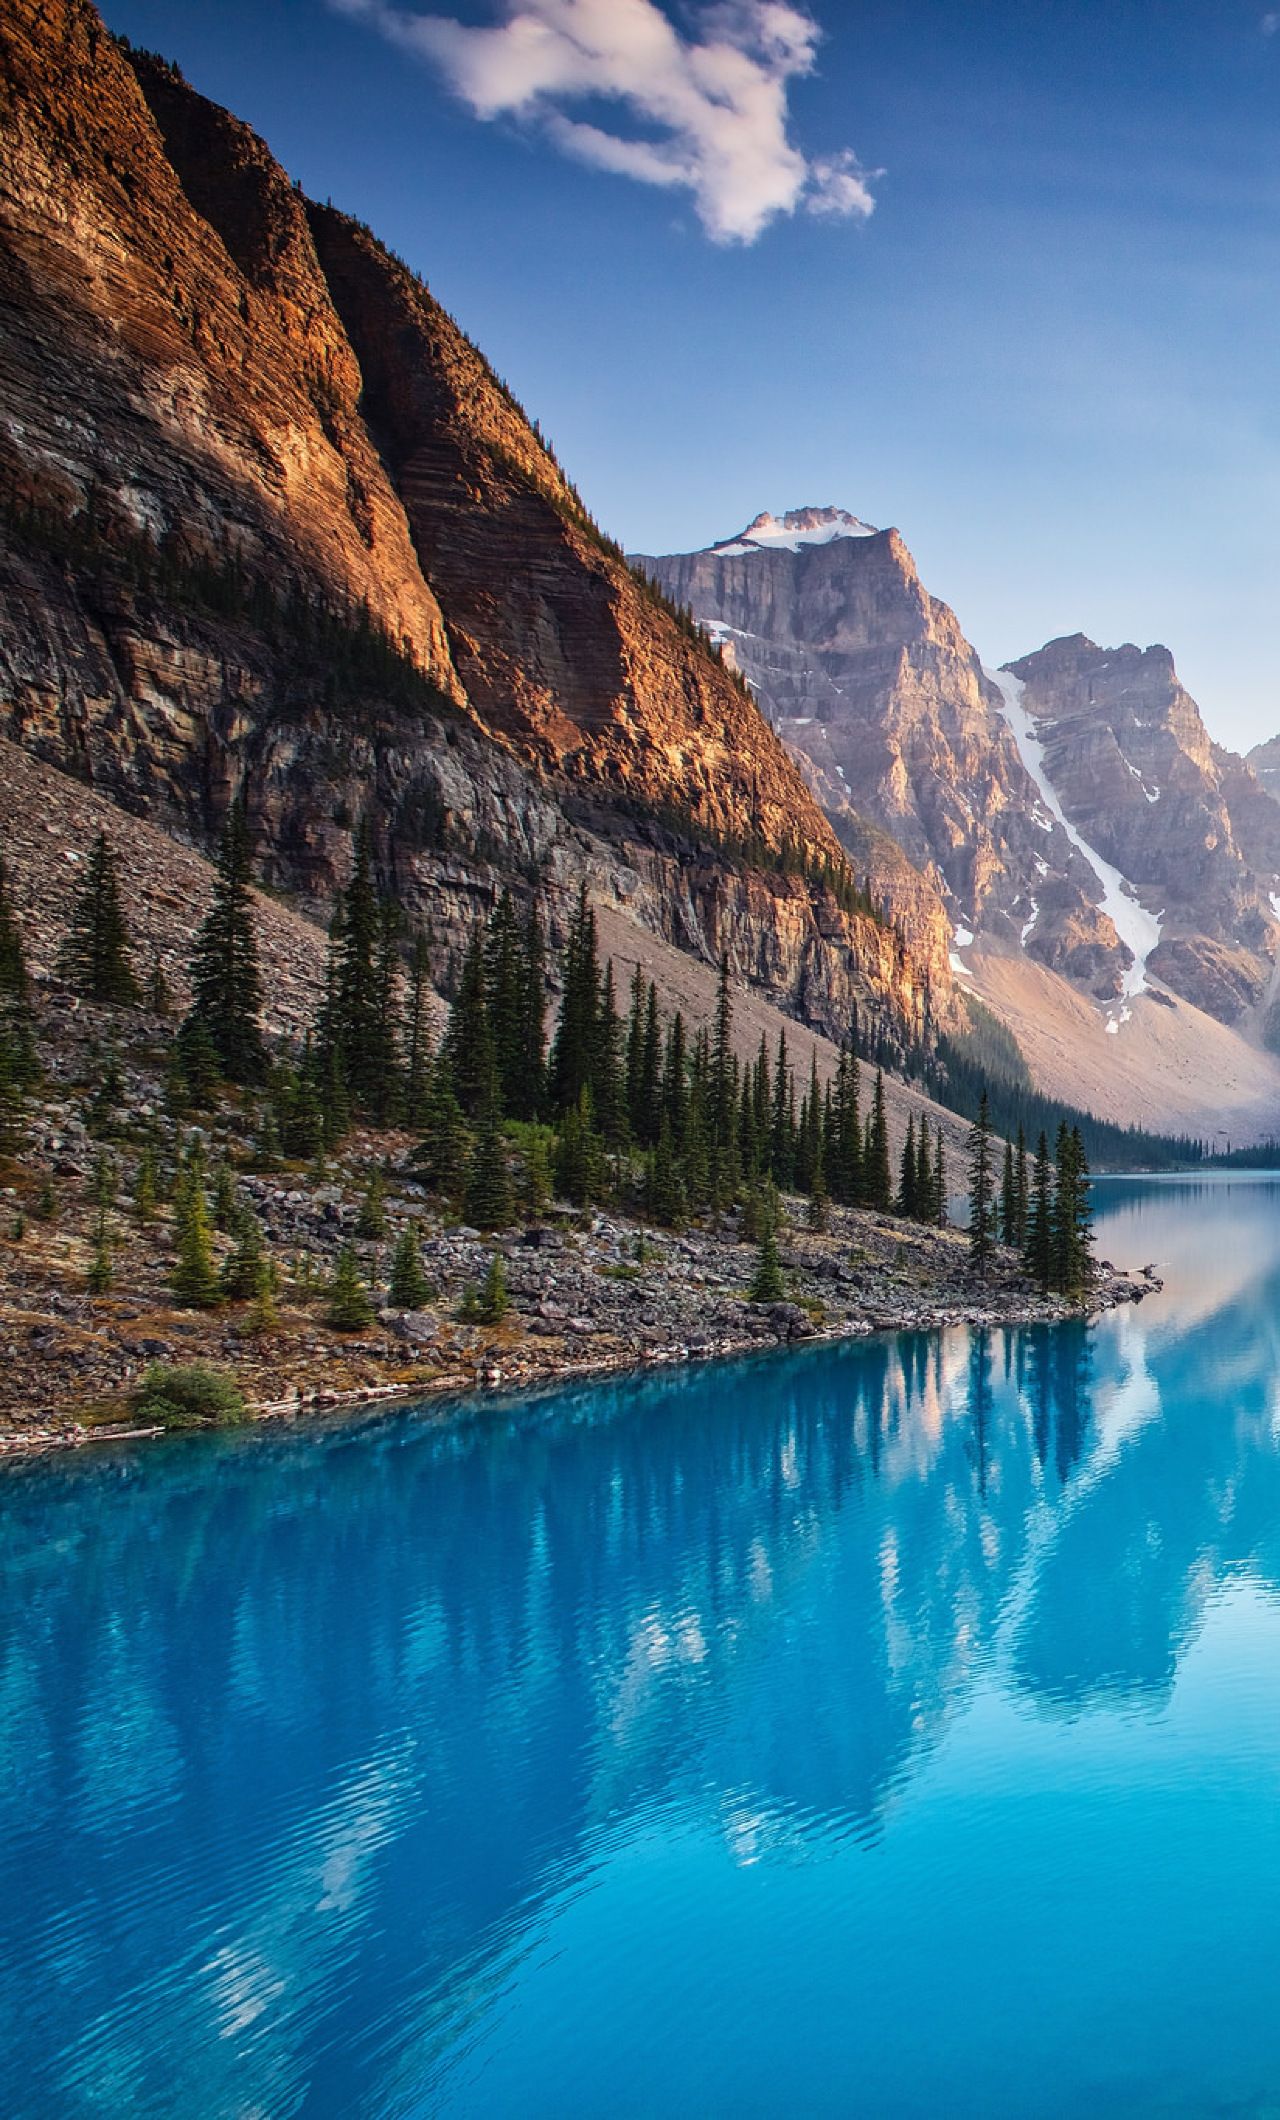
column 272, row 525
column 1187, row 822
column 1265, row 761
column 876, row 690
column 1072, row 806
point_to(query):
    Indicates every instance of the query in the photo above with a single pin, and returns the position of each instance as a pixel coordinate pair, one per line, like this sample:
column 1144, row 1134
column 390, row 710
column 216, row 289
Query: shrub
column 189, row 1395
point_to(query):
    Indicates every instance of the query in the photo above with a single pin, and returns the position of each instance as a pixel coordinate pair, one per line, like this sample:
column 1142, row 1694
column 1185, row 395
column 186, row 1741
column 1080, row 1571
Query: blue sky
column 1049, row 354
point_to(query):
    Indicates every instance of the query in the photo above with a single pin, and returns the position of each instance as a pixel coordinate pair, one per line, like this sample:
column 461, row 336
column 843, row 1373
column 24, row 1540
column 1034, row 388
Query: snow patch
column 1275, row 903
column 1138, row 929
column 1027, row 925
column 962, row 937
column 1136, row 772
column 797, row 529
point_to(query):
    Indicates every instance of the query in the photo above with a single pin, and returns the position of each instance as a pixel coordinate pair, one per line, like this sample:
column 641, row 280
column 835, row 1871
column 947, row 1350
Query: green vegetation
column 189, row 1395
column 98, row 959
column 349, row 1308
column 226, row 987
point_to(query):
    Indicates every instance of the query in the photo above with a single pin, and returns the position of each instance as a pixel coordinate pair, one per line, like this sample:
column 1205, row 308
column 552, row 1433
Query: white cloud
column 711, row 108
column 1269, row 24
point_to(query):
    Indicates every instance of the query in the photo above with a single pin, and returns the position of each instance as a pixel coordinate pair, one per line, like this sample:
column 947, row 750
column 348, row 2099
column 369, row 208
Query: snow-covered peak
column 798, row 528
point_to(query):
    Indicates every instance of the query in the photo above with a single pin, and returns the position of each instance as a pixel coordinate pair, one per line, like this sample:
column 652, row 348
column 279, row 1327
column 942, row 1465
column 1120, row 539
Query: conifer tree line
column 1041, row 1208
column 626, row 1104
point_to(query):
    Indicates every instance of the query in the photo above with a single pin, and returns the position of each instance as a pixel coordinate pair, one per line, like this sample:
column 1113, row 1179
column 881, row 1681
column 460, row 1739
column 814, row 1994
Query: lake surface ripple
column 884, row 1728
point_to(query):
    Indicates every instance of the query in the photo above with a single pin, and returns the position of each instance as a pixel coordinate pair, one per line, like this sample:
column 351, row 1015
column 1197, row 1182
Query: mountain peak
column 797, row 529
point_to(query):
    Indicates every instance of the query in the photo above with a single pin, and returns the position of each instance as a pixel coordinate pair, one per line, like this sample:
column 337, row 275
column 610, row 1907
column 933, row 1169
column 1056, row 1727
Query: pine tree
column 197, row 1058
column 242, row 1268
column 767, row 1285
column 664, row 1193
column 264, row 1315
column 781, row 1131
column 635, row 1046
column 649, row 1087
column 349, row 1308
column 1022, row 1196
column 675, row 1080
column 226, row 1207
column 1072, row 1263
column 1008, row 1199
column 358, row 1037
column 535, row 1182
column 981, row 1189
column 879, row 1177
column 371, row 1221
column 608, row 1081
column 531, row 1088
column 940, row 1182
column 1082, row 1243
column 505, row 1000
column 409, row 1287
column 723, row 1109
column 1039, row 1248
column 226, row 987
column 468, row 1042
column 574, row 1047
column 1062, row 1218
column 193, row 1280
column 488, row 1196
column 417, row 1059
column 97, row 953
column 380, row 1083
column 494, row 1300
column 446, row 1142
column 909, row 1174
column 819, row 1197
column 579, row 1159
column 847, row 1171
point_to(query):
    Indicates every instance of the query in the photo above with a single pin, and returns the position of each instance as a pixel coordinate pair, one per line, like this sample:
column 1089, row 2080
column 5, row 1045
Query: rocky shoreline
column 590, row 1296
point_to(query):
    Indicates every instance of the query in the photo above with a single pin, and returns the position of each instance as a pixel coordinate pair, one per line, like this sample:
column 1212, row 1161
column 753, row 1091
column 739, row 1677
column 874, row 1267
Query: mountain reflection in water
column 871, row 1727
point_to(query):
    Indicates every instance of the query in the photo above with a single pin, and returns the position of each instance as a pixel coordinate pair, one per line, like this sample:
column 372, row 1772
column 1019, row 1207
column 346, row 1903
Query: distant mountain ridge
column 1072, row 806
column 876, row 690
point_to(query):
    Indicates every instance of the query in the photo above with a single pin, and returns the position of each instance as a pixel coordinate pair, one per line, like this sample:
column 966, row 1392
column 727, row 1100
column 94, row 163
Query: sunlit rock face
column 224, row 409
column 1013, row 799
column 874, row 687
column 1188, row 822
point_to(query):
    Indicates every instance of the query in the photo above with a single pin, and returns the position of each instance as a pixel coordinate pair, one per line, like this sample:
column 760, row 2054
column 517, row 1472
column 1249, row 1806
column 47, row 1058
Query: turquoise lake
column 884, row 1728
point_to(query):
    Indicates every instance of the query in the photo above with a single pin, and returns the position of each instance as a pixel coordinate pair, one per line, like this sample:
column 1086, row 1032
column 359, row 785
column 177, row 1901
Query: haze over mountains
column 273, row 526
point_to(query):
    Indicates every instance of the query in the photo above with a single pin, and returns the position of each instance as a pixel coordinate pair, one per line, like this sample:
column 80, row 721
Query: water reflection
column 304, row 1738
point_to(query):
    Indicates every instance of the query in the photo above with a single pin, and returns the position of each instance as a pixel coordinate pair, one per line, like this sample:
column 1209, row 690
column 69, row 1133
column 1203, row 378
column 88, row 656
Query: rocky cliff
column 271, row 524
column 1264, row 758
column 875, row 689
column 1188, row 823
column 1072, row 806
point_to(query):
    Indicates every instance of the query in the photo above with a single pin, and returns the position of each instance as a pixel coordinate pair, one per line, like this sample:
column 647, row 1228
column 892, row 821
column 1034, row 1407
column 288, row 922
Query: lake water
column 887, row 1728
